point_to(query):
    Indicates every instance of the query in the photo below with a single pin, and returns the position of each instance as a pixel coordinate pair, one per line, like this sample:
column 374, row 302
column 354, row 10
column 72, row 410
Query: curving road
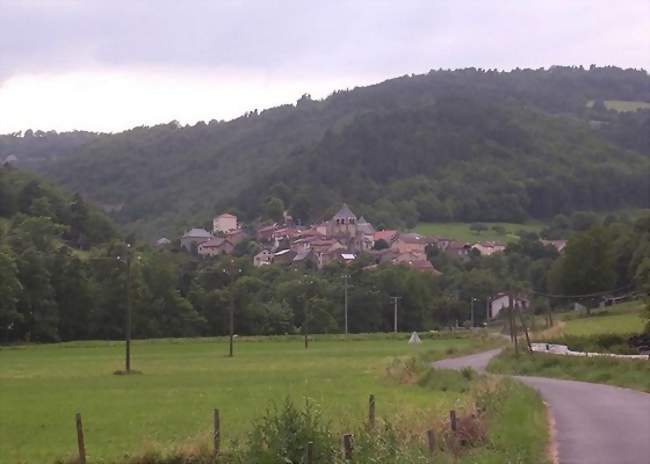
column 595, row 424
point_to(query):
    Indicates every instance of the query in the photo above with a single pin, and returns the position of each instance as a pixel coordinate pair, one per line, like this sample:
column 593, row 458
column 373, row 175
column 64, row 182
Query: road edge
column 551, row 446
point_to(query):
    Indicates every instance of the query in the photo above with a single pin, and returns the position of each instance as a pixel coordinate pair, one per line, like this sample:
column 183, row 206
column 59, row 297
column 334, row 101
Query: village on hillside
column 343, row 238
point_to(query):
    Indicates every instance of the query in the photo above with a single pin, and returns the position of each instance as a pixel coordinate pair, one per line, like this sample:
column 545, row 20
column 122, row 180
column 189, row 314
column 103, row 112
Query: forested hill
column 458, row 159
column 32, row 209
column 462, row 145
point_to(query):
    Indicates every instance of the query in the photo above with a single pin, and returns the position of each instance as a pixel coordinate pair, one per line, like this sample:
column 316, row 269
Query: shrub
column 282, row 434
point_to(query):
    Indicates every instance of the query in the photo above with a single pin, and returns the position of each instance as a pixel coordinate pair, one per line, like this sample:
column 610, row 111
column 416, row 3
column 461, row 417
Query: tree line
column 61, row 281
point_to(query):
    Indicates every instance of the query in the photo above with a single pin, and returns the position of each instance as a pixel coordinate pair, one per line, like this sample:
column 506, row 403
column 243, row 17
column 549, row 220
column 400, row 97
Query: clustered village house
column 342, row 238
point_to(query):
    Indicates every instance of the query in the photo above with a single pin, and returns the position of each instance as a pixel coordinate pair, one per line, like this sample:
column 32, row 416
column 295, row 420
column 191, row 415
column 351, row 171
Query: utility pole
column 472, row 311
column 513, row 322
column 232, row 327
column 395, row 300
column 229, row 271
column 345, row 278
column 126, row 260
column 129, row 314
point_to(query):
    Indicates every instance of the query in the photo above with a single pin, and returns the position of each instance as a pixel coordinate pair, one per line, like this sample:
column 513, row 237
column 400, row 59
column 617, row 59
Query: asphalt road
column 595, row 424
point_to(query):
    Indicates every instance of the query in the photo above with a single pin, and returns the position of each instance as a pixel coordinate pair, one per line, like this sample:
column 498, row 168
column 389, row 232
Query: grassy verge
column 623, row 373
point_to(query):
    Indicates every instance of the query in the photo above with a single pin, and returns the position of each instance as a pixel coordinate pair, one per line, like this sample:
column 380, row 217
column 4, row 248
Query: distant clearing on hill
column 623, row 105
column 462, row 230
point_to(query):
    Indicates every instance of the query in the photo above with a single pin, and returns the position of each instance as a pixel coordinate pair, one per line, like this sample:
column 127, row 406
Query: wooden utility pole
column 472, row 312
column 305, row 326
column 513, row 327
column 395, row 301
column 523, row 325
column 232, row 327
column 128, row 313
column 345, row 278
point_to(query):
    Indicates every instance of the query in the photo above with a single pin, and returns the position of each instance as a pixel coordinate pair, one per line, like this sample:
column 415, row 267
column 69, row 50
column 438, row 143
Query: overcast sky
column 110, row 65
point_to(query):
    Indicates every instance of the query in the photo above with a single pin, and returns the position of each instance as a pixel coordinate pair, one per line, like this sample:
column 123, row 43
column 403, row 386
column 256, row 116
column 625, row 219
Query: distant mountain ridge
column 407, row 149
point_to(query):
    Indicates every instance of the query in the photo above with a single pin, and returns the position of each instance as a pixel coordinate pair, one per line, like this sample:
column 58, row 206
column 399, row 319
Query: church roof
column 345, row 213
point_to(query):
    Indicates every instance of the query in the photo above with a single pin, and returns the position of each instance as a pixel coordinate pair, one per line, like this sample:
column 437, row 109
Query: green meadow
column 171, row 401
column 623, row 105
column 462, row 231
column 620, row 319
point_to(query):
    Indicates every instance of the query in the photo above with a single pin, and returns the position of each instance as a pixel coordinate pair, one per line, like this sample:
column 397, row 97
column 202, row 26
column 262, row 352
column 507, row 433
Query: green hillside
column 463, row 145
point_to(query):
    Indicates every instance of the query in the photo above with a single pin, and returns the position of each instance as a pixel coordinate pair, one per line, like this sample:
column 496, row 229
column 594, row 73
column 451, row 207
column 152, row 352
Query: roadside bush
column 282, row 434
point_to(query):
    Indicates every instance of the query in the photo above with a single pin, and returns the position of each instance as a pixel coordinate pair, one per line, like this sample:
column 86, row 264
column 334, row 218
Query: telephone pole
column 345, row 278
column 395, row 300
column 472, row 311
column 129, row 314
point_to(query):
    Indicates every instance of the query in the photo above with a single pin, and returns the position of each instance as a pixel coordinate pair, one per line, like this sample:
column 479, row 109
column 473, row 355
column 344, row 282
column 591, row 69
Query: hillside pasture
column 620, row 319
column 462, row 231
column 623, row 105
column 41, row 388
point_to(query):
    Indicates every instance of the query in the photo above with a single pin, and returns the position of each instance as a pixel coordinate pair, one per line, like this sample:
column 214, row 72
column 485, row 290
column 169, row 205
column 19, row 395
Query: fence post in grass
column 80, row 439
column 452, row 420
column 310, row 452
column 431, row 441
column 216, row 434
column 371, row 411
column 347, row 446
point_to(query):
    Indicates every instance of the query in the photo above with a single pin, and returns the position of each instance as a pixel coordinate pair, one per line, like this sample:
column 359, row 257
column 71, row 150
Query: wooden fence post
column 80, row 439
column 216, row 434
column 431, row 441
column 310, row 452
column 452, row 420
column 347, row 446
column 371, row 411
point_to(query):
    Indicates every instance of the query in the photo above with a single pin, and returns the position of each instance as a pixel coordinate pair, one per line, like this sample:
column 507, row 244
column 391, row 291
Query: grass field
column 41, row 388
column 462, row 231
column 619, row 319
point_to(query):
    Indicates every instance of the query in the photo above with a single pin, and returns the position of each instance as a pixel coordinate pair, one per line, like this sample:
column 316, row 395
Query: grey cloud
column 287, row 37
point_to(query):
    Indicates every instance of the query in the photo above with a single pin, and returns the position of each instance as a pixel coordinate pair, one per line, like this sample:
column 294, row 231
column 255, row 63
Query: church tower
column 343, row 223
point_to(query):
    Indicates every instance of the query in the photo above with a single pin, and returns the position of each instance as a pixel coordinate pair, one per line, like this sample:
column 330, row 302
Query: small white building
column 502, row 300
column 224, row 223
